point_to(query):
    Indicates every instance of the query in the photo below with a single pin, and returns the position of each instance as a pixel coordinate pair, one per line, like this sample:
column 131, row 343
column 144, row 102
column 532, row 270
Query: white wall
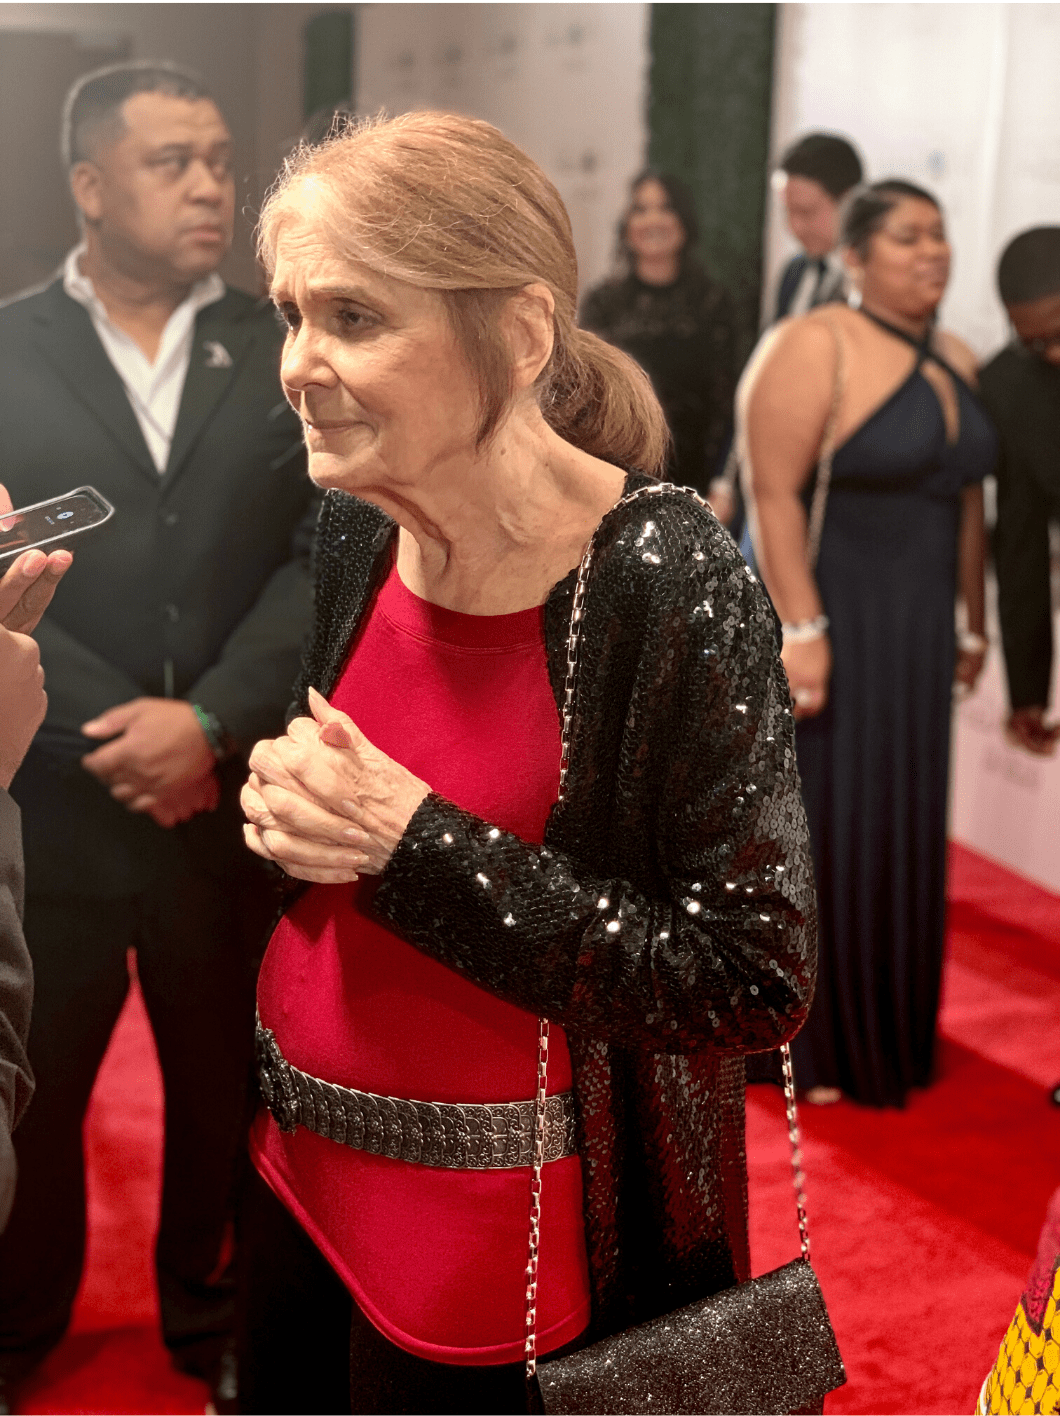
column 961, row 98
column 566, row 82
column 1006, row 803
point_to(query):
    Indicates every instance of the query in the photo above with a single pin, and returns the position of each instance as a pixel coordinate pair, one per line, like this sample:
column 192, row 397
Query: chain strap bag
column 819, row 500
column 764, row 1346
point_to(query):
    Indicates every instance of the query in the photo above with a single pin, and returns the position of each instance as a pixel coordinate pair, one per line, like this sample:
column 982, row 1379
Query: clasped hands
column 157, row 759
column 324, row 803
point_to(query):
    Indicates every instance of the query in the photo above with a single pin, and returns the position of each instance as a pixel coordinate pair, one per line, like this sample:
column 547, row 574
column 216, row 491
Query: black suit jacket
column 202, row 569
column 1022, row 394
column 830, row 291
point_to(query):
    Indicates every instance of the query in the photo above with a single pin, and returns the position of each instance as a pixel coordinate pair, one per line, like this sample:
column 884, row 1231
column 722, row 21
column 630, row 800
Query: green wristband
column 213, row 731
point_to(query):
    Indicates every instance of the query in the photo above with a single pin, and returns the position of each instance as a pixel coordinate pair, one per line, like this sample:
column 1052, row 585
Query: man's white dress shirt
column 154, row 390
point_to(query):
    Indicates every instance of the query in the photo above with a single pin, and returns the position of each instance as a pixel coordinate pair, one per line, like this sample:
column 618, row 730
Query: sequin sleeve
column 672, row 903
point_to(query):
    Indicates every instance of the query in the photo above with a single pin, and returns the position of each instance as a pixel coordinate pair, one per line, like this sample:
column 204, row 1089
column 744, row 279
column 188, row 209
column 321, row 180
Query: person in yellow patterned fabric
column 1026, row 1375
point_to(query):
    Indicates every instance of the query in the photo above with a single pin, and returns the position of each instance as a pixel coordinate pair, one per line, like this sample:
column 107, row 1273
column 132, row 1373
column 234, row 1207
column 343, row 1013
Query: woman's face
column 908, row 261
column 653, row 228
column 372, row 367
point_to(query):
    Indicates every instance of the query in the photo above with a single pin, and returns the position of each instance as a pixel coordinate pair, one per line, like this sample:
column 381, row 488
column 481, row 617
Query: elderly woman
column 472, row 442
column 869, row 631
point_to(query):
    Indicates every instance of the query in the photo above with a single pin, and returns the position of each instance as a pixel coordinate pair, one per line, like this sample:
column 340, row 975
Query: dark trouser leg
column 79, row 951
column 387, row 1379
column 293, row 1325
column 197, row 975
column 300, row 1351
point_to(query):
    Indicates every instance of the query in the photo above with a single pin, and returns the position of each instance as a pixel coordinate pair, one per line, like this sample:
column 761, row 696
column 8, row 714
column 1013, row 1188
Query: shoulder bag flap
column 764, row 1346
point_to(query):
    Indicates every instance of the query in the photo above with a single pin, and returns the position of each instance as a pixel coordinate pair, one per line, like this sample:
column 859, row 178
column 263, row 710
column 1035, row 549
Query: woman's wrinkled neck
column 494, row 526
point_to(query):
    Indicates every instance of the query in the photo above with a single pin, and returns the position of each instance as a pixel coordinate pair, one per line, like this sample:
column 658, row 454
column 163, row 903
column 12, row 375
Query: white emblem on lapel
column 217, row 356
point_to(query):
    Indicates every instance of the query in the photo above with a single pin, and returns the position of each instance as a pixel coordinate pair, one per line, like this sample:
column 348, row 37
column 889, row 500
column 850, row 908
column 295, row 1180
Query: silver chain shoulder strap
column 540, row 1099
column 730, row 474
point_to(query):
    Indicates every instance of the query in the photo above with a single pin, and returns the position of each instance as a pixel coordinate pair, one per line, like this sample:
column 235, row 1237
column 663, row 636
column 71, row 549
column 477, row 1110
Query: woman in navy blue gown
column 870, row 643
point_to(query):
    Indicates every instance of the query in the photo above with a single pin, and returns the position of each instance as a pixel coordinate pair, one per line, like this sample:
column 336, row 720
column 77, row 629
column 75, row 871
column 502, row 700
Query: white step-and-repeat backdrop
column 1006, row 803
column 961, row 98
column 566, row 82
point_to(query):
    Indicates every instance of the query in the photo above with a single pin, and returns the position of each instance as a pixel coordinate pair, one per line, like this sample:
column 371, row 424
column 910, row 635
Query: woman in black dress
column 869, row 638
column 675, row 321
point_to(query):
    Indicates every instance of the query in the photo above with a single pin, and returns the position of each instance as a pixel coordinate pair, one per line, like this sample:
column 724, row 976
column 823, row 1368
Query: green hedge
column 709, row 113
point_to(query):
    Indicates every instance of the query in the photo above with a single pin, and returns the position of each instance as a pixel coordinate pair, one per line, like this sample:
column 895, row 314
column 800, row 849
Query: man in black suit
column 169, row 650
column 1021, row 388
column 815, row 176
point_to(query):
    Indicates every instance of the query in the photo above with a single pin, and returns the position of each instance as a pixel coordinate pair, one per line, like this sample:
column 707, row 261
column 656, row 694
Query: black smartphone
column 50, row 525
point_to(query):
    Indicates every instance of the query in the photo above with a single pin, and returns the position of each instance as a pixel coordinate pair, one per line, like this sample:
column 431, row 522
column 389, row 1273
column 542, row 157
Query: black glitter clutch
column 764, row 1346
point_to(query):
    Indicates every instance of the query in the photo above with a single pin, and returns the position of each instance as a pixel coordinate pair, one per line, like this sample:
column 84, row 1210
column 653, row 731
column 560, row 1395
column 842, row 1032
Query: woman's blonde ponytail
column 602, row 401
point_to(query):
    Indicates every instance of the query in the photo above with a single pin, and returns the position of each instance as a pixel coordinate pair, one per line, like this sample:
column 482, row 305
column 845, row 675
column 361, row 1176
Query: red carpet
column 113, row 1359
column 923, row 1221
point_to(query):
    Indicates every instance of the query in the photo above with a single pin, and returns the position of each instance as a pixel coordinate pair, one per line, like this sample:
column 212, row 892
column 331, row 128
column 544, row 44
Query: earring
column 854, row 298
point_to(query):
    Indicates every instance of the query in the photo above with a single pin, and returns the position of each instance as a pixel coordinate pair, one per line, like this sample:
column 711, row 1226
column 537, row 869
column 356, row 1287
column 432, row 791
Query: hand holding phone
column 25, row 591
column 47, row 525
column 29, row 582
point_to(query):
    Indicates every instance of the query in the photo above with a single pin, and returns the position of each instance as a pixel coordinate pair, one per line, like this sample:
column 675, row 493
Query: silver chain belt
column 456, row 1136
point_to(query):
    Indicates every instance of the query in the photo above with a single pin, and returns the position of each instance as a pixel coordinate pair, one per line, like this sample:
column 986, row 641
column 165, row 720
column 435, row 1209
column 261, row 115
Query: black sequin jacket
column 668, row 921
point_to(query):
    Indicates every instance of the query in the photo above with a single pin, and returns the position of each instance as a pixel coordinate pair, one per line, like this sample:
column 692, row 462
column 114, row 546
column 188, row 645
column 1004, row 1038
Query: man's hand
column 968, row 667
column 181, row 803
column 157, row 748
column 1027, row 728
column 22, row 700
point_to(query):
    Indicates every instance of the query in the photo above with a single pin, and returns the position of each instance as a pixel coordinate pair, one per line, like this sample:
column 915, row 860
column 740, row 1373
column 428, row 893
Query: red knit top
column 435, row 1258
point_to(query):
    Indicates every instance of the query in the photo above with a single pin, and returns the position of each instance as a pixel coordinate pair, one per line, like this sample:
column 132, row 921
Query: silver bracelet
column 806, row 630
column 968, row 642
